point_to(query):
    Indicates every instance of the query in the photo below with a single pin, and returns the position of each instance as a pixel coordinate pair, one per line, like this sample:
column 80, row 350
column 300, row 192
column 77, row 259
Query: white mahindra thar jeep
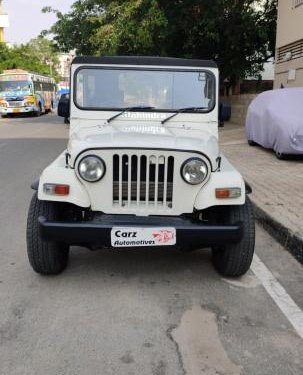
column 142, row 167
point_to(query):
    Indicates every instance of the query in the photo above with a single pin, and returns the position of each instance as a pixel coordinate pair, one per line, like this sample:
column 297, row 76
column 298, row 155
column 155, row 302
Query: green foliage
column 238, row 34
column 36, row 56
column 134, row 27
column 75, row 29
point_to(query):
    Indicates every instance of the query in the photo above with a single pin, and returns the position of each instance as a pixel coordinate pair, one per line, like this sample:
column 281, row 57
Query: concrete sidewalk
column 277, row 187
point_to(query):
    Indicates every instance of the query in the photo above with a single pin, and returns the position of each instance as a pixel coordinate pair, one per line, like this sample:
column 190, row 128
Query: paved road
column 134, row 312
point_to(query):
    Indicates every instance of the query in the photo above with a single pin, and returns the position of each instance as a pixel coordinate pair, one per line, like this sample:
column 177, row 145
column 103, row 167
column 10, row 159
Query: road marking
column 286, row 304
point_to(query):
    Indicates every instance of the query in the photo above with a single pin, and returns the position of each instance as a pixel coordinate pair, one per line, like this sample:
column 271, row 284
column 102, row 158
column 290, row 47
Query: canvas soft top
column 144, row 60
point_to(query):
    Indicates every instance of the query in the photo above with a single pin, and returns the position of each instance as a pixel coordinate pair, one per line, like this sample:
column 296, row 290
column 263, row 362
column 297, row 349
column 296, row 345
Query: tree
column 131, row 27
column 35, row 56
column 238, row 34
column 75, row 29
column 44, row 50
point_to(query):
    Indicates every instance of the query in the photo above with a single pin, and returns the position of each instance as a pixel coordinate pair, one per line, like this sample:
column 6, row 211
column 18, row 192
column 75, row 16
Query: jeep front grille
column 143, row 179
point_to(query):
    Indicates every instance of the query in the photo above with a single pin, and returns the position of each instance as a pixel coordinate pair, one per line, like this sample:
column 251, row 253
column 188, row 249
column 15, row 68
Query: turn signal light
column 226, row 193
column 56, row 189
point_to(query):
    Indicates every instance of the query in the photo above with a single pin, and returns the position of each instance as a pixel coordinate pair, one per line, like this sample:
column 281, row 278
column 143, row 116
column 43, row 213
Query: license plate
column 15, row 110
column 138, row 237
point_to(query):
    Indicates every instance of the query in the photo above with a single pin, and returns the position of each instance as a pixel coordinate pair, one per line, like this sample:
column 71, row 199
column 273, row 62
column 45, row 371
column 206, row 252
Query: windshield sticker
column 201, row 76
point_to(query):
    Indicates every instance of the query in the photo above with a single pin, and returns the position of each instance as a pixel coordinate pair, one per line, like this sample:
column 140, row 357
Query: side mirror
column 63, row 106
column 224, row 113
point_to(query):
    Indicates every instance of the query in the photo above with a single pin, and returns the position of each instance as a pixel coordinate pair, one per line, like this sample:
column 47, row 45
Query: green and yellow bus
column 25, row 92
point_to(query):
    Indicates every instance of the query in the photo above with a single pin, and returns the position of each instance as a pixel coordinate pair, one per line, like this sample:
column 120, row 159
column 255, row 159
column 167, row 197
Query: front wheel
column 252, row 143
column 280, row 155
column 39, row 111
column 234, row 260
column 48, row 258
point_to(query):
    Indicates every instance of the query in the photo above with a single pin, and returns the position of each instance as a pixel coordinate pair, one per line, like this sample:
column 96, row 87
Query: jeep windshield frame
column 176, row 87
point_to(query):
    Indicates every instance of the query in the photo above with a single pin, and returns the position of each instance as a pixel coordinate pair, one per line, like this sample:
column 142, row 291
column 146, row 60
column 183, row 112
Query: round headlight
column 91, row 168
column 194, row 171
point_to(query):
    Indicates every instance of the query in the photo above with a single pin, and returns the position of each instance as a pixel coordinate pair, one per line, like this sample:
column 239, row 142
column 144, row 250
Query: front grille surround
column 111, row 197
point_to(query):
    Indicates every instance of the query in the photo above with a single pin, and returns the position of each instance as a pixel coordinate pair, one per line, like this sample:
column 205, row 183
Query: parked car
column 62, row 104
column 275, row 120
column 142, row 167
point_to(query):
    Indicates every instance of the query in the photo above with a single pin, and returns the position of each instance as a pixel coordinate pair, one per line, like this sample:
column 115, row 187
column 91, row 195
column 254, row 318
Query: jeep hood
column 143, row 136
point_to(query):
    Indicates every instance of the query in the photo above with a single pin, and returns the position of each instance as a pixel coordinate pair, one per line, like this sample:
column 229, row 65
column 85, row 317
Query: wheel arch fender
column 226, row 177
column 59, row 173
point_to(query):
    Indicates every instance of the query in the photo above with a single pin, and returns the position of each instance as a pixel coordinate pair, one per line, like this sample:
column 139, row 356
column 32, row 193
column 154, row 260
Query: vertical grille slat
column 165, row 180
column 156, row 181
column 147, row 182
column 129, row 180
column 138, row 179
column 143, row 174
column 120, row 180
column 143, row 179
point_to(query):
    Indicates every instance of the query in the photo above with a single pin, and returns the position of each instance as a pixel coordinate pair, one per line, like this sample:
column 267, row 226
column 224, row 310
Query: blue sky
column 26, row 19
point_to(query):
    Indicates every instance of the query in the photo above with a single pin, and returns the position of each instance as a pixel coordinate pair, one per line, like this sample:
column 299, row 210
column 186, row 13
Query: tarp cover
column 275, row 120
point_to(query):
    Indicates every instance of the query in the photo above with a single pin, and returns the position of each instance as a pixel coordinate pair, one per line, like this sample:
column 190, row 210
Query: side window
column 43, row 86
column 38, row 86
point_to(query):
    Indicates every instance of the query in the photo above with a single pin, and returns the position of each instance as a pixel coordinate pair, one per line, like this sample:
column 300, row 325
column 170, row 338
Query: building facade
column 65, row 60
column 289, row 45
column 3, row 22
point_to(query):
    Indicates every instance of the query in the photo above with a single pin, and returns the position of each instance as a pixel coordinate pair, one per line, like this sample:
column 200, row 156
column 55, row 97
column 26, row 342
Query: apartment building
column 63, row 68
column 3, row 22
column 289, row 45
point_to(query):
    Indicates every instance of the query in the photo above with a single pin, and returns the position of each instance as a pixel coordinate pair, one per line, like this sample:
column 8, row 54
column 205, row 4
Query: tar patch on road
column 199, row 345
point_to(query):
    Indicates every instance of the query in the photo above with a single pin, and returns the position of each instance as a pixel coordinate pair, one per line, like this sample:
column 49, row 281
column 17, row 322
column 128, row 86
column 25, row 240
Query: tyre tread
column 45, row 257
column 235, row 259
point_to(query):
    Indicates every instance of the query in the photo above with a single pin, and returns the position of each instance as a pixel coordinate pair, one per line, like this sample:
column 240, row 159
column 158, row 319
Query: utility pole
column 3, row 22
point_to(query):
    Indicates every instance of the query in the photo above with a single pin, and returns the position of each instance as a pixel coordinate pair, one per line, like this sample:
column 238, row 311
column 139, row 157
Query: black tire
column 47, row 258
column 252, row 143
column 234, row 260
column 4, row 116
column 39, row 112
column 279, row 155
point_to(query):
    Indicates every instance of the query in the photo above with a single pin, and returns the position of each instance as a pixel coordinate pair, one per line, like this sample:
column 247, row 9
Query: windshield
column 15, row 88
column 98, row 88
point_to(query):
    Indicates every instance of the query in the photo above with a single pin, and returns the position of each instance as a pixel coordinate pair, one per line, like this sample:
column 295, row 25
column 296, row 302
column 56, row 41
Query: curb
column 292, row 242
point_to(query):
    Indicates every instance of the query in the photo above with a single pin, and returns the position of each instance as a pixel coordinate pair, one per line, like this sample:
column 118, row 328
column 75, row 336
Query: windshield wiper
column 138, row 107
column 181, row 110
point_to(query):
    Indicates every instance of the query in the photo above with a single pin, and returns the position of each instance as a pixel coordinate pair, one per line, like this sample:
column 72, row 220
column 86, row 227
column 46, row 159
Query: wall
column 239, row 106
column 290, row 21
column 289, row 45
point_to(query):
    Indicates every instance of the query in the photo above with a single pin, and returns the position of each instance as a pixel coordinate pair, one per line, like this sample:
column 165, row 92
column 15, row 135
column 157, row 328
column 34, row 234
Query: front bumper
column 11, row 110
column 97, row 233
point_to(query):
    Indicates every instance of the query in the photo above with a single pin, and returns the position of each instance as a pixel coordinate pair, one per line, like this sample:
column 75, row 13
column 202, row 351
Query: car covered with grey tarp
column 275, row 120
